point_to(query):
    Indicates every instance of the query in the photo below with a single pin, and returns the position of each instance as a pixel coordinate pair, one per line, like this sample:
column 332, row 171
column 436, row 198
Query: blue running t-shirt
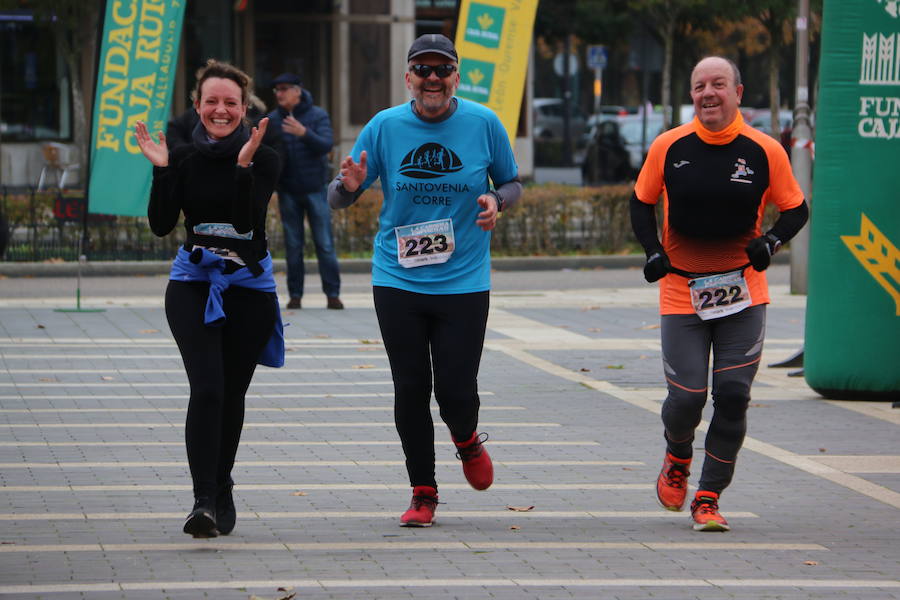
column 431, row 175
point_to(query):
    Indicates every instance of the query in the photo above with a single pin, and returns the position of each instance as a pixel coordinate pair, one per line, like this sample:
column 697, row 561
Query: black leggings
column 220, row 362
column 737, row 343
column 424, row 333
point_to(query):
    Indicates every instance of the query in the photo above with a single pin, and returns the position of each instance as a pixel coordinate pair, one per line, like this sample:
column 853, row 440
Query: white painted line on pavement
column 412, row 584
column 175, row 356
column 54, row 371
column 274, row 487
column 259, row 409
column 652, row 403
column 248, row 425
column 525, row 329
column 157, row 342
column 308, row 463
column 371, row 514
column 859, row 463
column 167, row 384
column 249, row 395
column 278, row 444
column 218, row 546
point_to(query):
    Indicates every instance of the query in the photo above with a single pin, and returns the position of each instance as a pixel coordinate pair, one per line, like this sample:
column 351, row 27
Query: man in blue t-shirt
column 437, row 157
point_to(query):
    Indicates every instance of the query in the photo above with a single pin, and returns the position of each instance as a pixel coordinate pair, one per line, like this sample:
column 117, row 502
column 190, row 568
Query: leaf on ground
column 149, row 331
column 811, row 563
column 298, row 494
column 822, row 450
column 615, row 366
column 369, row 342
column 585, row 370
column 363, row 366
column 519, row 508
column 587, row 308
column 322, row 336
column 107, row 378
column 39, row 326
column 651, row 326
column 514, row 527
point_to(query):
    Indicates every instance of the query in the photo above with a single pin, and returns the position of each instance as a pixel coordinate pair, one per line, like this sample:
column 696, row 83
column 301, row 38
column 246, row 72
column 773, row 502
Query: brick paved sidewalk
column 95, row 483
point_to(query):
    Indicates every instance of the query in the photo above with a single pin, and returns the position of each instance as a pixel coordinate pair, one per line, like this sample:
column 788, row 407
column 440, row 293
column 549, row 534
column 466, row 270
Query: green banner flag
column 852, row 347
column 135, row 73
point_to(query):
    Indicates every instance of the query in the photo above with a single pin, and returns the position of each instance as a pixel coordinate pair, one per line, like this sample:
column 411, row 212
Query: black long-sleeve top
column 214, row 190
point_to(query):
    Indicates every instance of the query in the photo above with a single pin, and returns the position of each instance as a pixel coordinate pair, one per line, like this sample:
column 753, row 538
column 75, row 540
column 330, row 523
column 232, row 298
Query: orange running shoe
column 421, row 509
column 671, row 485
column 476, row 463
column 705, row 511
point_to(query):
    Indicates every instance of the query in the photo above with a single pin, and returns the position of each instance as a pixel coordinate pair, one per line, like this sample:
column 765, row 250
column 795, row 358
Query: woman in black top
column 220, row 301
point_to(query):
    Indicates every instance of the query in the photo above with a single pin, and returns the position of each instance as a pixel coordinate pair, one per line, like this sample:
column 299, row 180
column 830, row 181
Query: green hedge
column 549, row 220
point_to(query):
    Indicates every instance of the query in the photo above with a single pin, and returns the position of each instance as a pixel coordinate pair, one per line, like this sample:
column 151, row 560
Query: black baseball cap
column 432, row 43
column 287, row 78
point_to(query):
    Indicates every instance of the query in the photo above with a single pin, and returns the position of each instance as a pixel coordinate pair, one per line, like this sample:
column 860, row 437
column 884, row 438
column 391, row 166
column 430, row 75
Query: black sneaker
column 226, row 514
column 201, row 523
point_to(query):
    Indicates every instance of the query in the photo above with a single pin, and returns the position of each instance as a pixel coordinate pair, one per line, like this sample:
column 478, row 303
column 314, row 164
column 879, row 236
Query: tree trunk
column 669, row 44
column 774, row 26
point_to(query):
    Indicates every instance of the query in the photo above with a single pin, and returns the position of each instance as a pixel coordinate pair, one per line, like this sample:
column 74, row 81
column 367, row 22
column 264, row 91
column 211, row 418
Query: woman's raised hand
column 156, row 153
column 245, row 156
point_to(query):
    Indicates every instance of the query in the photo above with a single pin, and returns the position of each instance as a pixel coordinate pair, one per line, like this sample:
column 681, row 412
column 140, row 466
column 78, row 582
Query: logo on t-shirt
column 742, row 172
column 429, row 161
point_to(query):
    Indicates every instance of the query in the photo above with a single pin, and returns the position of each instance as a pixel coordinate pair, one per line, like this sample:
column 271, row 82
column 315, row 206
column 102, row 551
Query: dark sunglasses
column 424, row 71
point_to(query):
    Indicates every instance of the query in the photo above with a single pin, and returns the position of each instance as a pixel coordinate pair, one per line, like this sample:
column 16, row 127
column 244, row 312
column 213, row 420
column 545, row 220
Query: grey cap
column 432, row 43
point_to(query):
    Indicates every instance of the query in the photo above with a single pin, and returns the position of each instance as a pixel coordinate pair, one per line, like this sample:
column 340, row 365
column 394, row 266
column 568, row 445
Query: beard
column 433, row 100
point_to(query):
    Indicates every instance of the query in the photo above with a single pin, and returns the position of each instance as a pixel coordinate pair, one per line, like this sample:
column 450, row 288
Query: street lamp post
column 801, row 149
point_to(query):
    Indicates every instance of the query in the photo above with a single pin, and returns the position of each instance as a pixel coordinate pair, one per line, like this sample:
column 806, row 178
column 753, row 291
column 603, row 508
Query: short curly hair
column 223, row 70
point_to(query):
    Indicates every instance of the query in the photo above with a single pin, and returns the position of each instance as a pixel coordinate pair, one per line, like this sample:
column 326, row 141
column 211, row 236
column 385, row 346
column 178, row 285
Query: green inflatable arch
column 852, row 346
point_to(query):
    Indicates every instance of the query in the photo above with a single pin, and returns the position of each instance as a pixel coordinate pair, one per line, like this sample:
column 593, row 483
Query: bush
column 550, row 219
column 554, row 219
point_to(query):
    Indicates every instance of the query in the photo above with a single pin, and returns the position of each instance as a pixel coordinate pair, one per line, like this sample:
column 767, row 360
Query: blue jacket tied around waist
column 211, row 268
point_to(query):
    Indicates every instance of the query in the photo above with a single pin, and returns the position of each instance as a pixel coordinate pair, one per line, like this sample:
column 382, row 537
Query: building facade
column 350, row 54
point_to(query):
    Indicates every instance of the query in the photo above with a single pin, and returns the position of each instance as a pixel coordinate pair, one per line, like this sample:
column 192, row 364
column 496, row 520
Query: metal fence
column 49, row 225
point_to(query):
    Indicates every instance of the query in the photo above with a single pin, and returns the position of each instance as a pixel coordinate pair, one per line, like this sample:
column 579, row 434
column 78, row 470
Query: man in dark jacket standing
column 307, row 137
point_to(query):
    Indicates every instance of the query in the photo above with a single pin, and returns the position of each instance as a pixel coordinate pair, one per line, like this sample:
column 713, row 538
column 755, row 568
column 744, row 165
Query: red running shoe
column 476, row 462
column 671, row 485
column 705, row 511
column 421, row 509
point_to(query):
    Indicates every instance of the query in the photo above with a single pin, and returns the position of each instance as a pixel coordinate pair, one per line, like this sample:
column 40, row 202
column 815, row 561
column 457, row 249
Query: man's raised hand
column 352, row 173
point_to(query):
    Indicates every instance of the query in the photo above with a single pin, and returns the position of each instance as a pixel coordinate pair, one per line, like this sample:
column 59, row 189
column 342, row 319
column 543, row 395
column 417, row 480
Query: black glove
column 657, row 266
column 761, row 249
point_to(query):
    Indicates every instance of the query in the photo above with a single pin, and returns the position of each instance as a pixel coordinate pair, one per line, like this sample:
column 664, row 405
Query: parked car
column 631, row 128
column 548, row 119
column 762, row 120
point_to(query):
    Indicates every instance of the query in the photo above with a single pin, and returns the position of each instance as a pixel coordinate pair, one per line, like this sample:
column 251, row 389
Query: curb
column 113, row 268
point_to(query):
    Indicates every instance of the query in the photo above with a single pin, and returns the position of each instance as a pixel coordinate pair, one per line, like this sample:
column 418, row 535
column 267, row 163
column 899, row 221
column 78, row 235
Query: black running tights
column 737, row 343
column 220, row 362
column 425, row 334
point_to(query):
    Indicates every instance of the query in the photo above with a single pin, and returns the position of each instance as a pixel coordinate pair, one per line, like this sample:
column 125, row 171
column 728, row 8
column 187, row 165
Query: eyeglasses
column 425, row 71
